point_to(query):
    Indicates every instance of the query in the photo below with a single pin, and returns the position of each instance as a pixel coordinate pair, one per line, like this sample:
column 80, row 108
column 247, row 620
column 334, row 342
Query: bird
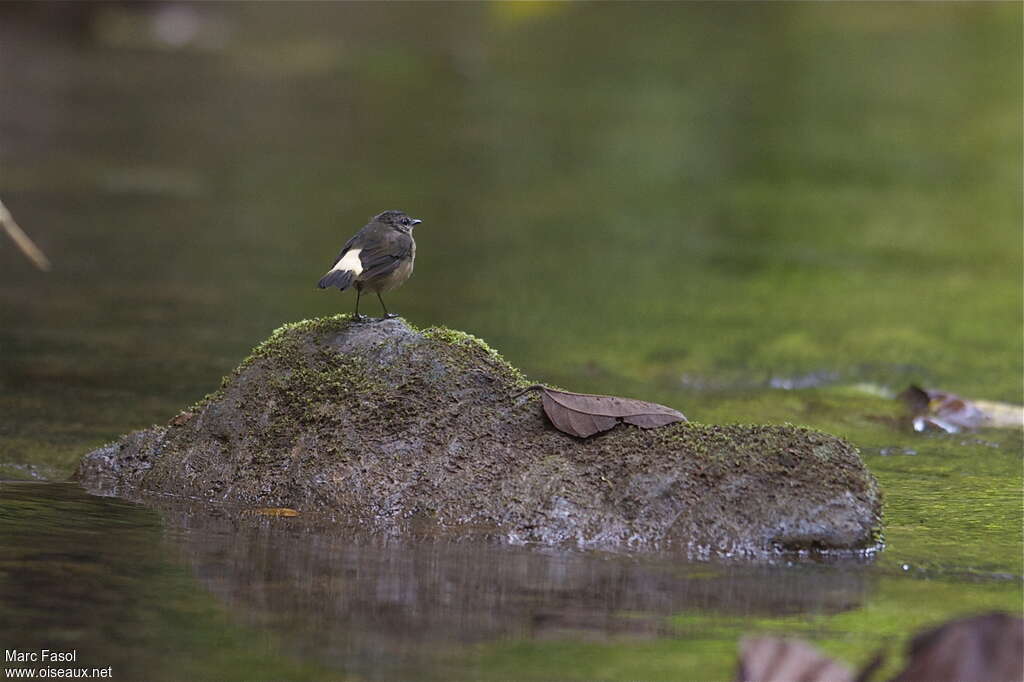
column 378, row 258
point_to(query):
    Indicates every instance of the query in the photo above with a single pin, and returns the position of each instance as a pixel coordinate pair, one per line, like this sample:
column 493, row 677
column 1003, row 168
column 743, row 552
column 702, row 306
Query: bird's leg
column 387, row 315
column 357, row 317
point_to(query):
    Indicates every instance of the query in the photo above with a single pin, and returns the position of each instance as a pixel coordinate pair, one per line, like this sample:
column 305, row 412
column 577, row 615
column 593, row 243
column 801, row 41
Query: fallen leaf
column 584, row 414
column 951, row 413
column 274, row 511
column 770, row 659
column 988, row 647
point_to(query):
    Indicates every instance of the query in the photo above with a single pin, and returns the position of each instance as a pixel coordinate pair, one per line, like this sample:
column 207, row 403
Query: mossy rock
column 385, row 426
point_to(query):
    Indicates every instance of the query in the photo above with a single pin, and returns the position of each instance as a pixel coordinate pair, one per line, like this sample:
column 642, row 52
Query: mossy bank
column 390, row 427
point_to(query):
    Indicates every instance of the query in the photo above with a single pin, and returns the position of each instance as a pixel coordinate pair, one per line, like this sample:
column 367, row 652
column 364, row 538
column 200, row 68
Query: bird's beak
column 416, row 221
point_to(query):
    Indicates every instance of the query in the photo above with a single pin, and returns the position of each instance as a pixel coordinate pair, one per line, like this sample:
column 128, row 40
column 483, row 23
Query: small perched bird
column 379, row 258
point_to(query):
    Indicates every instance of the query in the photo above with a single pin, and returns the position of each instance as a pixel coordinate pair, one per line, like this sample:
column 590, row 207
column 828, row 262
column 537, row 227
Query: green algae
column 704, row 646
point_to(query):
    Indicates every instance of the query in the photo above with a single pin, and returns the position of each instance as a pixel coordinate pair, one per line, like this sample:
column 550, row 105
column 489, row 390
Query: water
column 753, row 213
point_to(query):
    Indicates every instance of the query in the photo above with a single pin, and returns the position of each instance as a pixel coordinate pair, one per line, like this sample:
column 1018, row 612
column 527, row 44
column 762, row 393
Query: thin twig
column 22, row 240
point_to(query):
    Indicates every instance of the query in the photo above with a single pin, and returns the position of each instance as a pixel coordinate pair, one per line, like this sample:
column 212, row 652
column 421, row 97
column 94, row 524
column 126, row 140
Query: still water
column 753, row 213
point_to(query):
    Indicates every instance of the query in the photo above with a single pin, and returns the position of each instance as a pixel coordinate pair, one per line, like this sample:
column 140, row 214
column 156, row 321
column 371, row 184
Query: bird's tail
column 337, row 278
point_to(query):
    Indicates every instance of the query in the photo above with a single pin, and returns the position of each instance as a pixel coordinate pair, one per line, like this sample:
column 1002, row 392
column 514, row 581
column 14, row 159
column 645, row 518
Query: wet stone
column 388, row 427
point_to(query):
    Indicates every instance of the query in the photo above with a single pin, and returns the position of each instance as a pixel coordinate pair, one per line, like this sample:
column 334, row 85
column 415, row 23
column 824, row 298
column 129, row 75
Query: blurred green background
column 775, row 212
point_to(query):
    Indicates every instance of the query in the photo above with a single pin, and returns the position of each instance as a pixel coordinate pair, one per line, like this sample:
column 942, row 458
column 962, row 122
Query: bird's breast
column 396, row 277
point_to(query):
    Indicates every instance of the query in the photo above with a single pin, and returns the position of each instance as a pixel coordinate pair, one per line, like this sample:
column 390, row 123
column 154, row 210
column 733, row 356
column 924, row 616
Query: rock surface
column 397, row 429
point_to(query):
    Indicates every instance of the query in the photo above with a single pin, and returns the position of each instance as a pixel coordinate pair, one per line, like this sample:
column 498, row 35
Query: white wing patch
column 350, row 261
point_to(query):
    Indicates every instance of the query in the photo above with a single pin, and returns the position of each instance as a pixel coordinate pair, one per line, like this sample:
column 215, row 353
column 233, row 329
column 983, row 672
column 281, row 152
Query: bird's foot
column 390, row 316
column 359, row 318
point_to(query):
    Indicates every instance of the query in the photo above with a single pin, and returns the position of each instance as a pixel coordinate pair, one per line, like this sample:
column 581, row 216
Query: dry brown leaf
column 951, row 413
column 986, row 648
column 274, row 511
column 989, row 647
column 770, row 659
column 583, row 414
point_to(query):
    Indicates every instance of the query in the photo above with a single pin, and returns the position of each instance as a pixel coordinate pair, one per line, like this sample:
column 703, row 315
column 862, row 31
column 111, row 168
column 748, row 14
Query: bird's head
column 398, row 220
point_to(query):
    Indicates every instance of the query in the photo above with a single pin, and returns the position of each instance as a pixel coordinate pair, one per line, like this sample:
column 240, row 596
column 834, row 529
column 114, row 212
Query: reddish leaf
column 769, row 659
column 583, row 414
column 942, row 410
column 987, row 647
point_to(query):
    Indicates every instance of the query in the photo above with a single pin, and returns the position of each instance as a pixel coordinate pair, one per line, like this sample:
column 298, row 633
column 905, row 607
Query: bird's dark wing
column 348, row 245
column 385, row 256
column 342, row 279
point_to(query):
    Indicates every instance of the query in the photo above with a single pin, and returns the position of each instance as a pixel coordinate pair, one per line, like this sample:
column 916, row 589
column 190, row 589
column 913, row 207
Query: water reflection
column 372, row 602
column 74, row 570
column 83, row 571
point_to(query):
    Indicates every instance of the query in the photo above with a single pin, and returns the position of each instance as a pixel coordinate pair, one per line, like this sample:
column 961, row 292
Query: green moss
column 308, row 388
column 283, row 346
column 455, row 337
column 284, row 341
column 461, row 340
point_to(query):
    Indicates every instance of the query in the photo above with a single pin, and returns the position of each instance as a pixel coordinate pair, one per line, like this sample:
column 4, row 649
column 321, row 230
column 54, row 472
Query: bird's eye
column 405, row 221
